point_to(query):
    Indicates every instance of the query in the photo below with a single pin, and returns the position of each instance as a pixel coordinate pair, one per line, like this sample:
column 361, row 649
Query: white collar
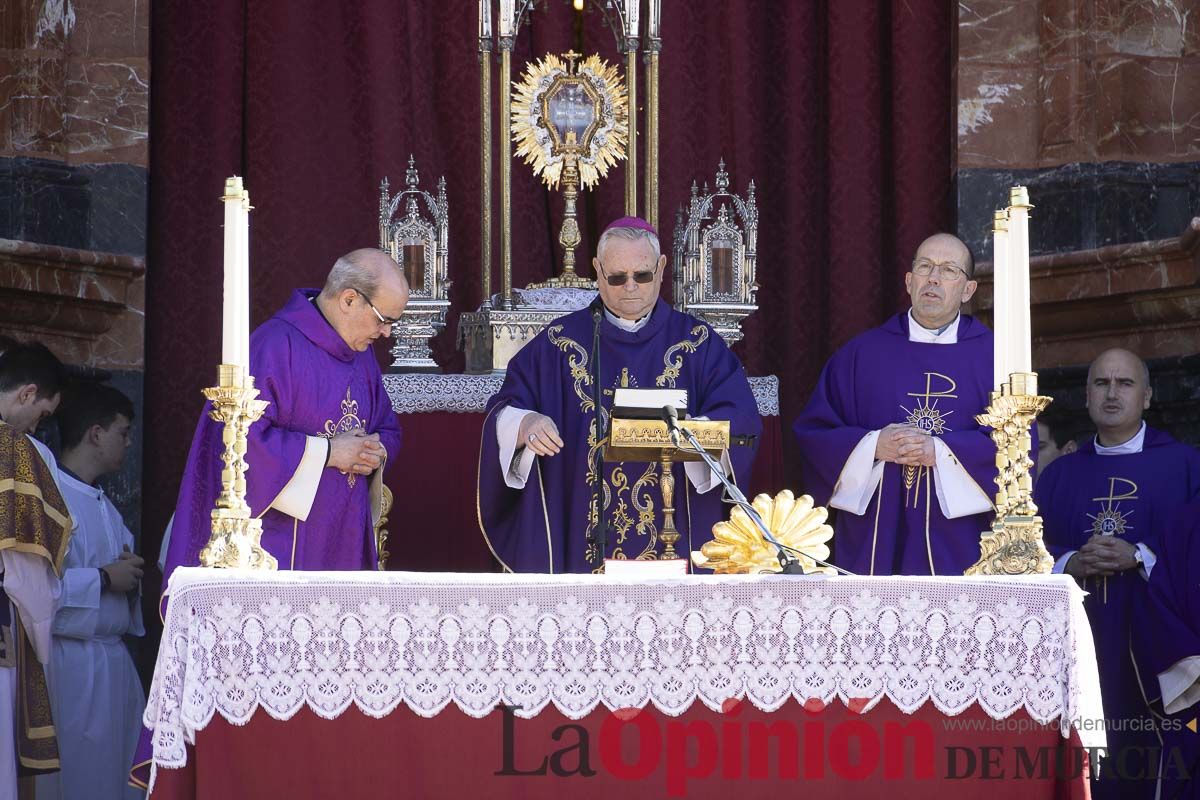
column 1134, row 445
column 918, row 333
column 630, row 325
column 80, row 486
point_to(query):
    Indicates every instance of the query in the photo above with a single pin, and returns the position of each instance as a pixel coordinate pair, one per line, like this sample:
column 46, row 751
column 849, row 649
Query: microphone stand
column 600, row 533
column 787, row 561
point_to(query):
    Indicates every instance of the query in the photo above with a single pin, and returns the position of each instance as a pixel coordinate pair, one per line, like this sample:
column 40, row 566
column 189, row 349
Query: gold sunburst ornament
column 563, row 109
column 570, row 122
column 739, row 547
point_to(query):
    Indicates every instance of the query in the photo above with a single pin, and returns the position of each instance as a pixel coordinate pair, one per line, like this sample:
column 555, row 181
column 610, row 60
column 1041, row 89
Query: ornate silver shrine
column 418, row 242
column 715, row 256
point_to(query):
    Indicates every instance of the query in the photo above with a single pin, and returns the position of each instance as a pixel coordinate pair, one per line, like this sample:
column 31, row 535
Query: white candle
column 235, row 347
column 243, row 317
column 1018, row 257
column 1001, row 295
column 485, row 19
column 506, row 18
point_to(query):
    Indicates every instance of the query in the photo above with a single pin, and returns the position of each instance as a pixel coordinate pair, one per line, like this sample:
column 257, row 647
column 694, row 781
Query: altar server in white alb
column 95, row 693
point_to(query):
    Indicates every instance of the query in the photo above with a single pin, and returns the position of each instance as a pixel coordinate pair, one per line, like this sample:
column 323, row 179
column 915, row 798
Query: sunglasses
column 641, row 276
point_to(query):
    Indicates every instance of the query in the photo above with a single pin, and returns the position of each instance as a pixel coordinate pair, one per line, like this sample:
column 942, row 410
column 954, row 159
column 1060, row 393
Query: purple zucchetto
column 632, row 222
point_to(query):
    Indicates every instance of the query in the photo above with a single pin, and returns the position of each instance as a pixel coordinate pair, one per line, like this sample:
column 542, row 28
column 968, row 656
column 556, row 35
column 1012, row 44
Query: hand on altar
column 899, row 444
column 1109, row 554
column 356, row 451
column 539, row 433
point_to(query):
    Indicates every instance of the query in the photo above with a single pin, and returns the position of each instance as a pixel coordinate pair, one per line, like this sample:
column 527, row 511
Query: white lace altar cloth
column 235, row 642
column 421, row 393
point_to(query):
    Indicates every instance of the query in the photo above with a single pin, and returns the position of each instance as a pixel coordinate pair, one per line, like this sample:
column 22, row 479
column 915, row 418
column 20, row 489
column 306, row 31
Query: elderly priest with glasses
column 889, row 437
column 317, row 454
column 539, row 454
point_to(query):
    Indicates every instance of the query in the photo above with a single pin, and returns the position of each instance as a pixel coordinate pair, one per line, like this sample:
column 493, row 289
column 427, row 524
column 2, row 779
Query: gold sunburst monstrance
column 570, row 123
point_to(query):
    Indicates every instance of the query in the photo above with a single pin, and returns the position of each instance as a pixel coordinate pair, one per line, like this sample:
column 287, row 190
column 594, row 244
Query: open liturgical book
column 648, row 403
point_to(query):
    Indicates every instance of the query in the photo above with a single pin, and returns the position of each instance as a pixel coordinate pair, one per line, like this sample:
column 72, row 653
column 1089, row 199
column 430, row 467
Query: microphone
column 788, row 562
column 670, row 415
column 599, row 536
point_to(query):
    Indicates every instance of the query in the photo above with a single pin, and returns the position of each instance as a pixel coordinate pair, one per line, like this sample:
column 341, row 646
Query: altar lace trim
column 468, row 394
column 233, row 646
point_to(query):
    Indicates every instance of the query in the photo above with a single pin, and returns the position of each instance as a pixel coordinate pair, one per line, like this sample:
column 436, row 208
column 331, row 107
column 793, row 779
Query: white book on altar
column 648, row 403
column 645, row 570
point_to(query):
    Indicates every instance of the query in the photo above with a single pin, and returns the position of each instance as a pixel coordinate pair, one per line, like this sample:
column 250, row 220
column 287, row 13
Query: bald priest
column 889, row 436
column 317, row 453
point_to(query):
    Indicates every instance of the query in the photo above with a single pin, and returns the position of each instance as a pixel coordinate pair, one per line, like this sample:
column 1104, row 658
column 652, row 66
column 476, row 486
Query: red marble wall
column 1050, row 82
column 74, row 104
column 1095, row 105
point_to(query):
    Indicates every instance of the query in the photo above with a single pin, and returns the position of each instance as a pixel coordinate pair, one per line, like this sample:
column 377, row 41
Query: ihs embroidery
column 927, row 417
column 1111, row 520
column 349, row 421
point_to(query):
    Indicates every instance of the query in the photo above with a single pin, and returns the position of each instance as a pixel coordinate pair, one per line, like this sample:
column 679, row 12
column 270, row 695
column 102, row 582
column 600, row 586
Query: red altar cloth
column 838, row 754
column 440, row 529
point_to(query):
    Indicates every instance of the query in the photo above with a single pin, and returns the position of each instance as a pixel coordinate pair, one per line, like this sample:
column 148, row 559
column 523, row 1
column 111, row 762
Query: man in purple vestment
column 316, row 456
column 538, row 455
column 889, row 436
column 1106, row 510
column 1167, row 648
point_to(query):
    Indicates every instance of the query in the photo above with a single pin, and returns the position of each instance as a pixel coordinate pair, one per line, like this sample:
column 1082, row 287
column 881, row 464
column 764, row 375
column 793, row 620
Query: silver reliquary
column 414, row 228
column 715, row 254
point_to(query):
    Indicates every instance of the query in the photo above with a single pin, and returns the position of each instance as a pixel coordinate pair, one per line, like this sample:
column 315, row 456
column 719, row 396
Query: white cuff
column 297, row 496
column 508, row 425
column 957, row 492
column 860, row 475
column 1180, row 685
column 702, row 477
column 1148, row 559
column 1060, row 566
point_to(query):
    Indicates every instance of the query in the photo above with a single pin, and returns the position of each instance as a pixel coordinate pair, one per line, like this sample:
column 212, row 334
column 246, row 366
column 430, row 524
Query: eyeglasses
column 642, row 276
column 947, row 272
column 386, row 321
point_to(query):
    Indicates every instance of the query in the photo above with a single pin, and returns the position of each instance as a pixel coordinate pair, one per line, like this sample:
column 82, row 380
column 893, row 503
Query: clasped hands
column 356, row 451
column 907, row 445
column 125, row 572
column 1102, row 556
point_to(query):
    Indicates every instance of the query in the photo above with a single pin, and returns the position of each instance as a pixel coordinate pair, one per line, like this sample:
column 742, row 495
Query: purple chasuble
column 545, row 526
column 1171, row 633
column 881, row 378
column 315, row 385
column 1132, row 496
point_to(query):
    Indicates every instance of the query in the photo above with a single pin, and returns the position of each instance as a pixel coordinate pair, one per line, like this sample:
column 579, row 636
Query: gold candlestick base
column 1014, row 545
column 235, row 541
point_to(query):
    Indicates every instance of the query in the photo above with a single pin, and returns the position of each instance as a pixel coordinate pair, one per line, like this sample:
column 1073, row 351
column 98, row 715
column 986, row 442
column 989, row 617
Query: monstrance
column 570, row 122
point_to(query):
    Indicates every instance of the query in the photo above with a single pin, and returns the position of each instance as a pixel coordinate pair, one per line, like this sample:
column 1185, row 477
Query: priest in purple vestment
column 1167, row 649
column 889, row 437
column 316, row 456
column 1106, row 509
column 538, row 455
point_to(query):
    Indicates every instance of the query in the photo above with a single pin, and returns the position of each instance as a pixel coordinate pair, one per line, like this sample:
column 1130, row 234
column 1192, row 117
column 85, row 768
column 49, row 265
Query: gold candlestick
column 236, row 538
column 1014, row 545
column 669, row 534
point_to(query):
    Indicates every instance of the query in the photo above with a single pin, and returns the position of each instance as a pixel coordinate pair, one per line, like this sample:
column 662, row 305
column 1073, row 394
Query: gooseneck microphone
column 599, row 535
column 787, row 555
